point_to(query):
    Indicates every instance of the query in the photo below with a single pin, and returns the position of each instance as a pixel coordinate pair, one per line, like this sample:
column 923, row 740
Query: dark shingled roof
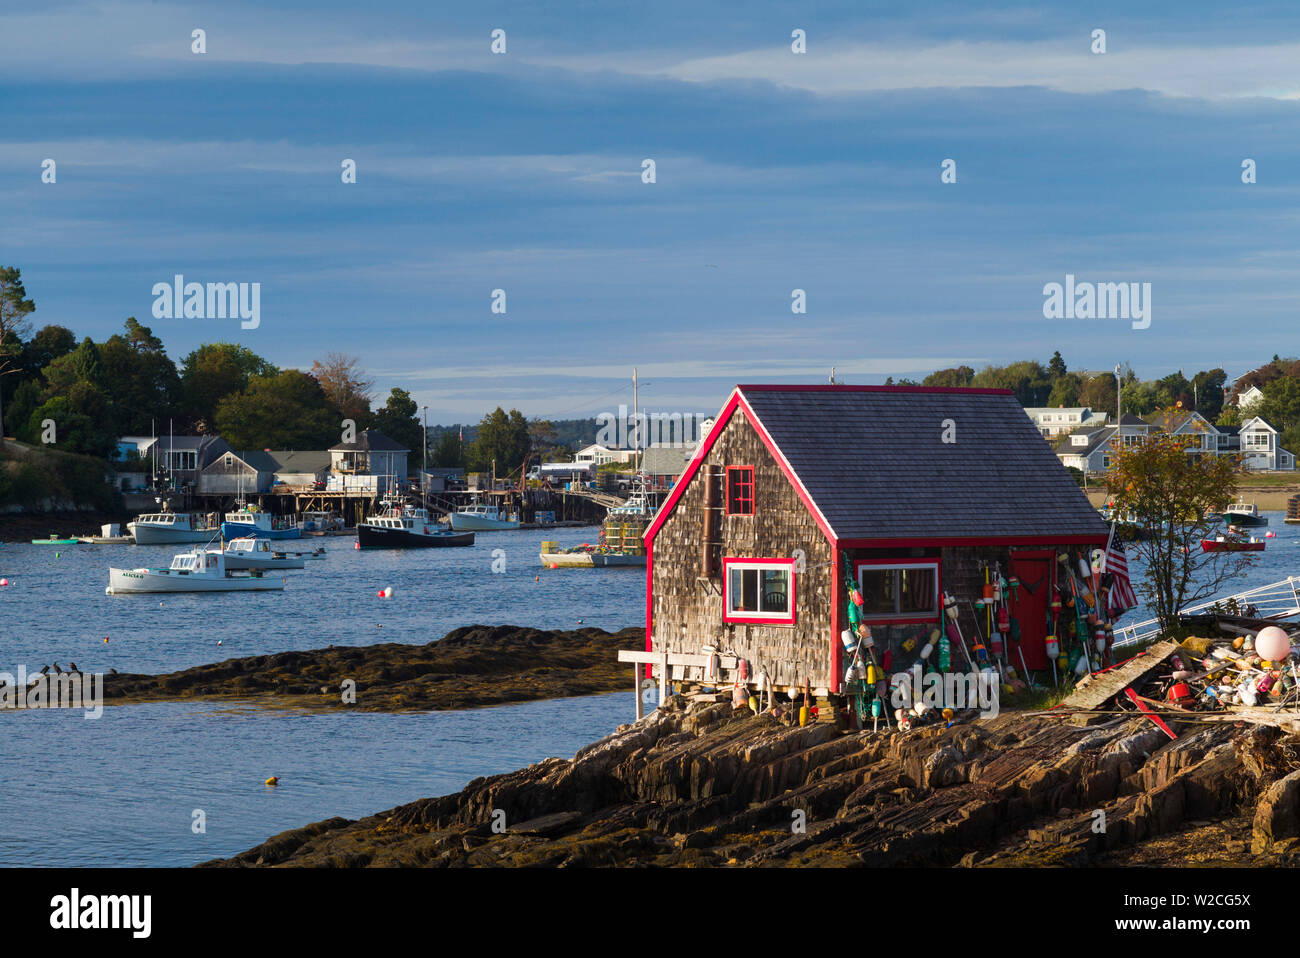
column 372, row 440
column 1065, row 446
column 873, row 461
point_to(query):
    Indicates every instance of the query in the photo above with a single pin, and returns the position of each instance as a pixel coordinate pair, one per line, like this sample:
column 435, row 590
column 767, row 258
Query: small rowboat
column 1228, row 544
column 54, row 541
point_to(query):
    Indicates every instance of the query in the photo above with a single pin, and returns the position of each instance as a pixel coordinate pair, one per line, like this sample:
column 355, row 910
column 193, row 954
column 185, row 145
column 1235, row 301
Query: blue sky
column 776, row 171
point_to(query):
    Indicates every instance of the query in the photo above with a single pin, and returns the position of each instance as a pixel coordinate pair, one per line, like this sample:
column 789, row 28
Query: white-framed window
column 1258, row 440
column 899, row 590
column 758, row 591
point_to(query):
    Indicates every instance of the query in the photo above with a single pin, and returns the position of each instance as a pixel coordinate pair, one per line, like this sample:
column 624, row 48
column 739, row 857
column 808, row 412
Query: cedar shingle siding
column 780, row 524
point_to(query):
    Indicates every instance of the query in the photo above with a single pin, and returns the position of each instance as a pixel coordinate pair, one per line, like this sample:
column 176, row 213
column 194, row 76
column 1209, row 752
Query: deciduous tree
column 1174, row 495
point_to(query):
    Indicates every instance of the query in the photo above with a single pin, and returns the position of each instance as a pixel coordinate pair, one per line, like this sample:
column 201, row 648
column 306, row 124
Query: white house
column 598, row 455
column 1249, row 397
column 1053, row 421
column 1260, row 449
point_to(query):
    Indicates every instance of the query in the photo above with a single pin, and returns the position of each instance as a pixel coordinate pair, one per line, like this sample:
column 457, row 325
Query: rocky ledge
column 469, row 667
column 697, row 783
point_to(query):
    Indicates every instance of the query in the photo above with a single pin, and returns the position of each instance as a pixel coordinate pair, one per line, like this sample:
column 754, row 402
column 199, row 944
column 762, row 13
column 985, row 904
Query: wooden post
column 636, row 686
column 663, row 679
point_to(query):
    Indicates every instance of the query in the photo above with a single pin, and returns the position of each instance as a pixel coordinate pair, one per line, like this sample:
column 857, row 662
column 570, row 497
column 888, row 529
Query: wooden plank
column 675, row 658
column 1107, row 685
column 1146, row 710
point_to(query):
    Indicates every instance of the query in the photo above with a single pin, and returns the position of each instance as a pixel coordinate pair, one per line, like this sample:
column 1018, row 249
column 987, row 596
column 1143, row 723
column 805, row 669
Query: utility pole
column 1119, row 409
column 636, row 427
column 426, row 443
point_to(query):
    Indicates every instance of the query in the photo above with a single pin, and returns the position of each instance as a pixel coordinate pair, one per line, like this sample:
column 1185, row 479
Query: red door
column 1028, row 605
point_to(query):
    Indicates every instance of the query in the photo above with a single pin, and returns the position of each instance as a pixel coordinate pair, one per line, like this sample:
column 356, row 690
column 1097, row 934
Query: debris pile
column 1251, row 677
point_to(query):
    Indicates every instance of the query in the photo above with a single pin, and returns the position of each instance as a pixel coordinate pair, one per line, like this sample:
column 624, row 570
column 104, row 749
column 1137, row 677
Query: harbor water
column 123, row 789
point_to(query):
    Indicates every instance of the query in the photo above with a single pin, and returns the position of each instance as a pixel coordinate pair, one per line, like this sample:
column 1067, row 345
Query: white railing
column 1277, row 600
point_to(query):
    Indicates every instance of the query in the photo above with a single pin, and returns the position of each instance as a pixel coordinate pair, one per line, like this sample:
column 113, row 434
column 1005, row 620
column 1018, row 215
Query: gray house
column 371, row 463
column 248, row 472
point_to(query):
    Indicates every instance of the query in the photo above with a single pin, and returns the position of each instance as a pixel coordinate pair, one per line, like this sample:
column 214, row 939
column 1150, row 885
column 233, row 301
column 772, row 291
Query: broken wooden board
column 1106, row 686
column 1149, row 713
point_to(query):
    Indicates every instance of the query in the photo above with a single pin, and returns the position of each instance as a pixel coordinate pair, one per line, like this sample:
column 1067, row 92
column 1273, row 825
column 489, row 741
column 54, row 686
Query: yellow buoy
column 273, row 780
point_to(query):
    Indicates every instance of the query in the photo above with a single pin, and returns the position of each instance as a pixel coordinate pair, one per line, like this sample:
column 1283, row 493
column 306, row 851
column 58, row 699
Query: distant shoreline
column 1268, row 498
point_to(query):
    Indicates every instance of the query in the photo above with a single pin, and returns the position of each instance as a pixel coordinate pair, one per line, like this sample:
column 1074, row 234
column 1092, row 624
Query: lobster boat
column 171, row 528
column 253, row 521
column 1244, row 514
column 197, row 571
column 405, row 527
column 482, row 518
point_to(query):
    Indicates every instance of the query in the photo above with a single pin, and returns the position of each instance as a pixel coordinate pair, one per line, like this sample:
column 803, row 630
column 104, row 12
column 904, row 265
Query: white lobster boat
column 481, row 518
column 171, row 528
column 197, row 571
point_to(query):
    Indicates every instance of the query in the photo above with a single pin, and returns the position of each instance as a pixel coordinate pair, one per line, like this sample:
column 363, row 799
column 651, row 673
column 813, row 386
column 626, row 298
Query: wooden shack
column 912, row 491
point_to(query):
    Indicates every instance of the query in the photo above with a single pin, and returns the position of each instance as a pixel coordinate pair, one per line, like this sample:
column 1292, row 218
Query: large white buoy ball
column 1272, row 643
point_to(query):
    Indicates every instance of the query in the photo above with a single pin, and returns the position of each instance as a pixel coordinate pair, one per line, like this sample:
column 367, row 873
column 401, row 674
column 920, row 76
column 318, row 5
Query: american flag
column 1115, row 564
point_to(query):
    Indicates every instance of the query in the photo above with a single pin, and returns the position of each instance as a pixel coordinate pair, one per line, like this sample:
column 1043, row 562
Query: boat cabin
column 907, row 492
column 256, row 519
column 251, row 545
column 409, row 519
column 181, row 520
column 483, row 511
column 198, row 563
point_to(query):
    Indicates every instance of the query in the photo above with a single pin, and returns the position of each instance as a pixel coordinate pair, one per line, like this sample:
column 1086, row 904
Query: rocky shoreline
column 469, row 667
column 700, row 784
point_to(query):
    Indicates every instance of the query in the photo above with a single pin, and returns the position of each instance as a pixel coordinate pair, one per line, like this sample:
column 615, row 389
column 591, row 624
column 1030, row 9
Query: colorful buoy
column 273, row 780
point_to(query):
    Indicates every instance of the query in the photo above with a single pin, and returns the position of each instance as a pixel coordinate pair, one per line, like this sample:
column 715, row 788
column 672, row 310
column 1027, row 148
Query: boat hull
column 610, row 559
column 466, row 523
column 1238, row 519
column 590, row 560
column 567, row 560
column 372, row 537
column 242, row 530
column 147, row 535
column 131, row 581
column 1210, row 545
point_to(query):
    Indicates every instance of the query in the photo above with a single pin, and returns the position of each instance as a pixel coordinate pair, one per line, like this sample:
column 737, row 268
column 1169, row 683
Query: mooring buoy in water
column 273, row 780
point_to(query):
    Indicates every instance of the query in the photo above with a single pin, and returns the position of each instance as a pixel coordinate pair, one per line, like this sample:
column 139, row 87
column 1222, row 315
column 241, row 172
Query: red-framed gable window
column 758, row 591
column 740, row 490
